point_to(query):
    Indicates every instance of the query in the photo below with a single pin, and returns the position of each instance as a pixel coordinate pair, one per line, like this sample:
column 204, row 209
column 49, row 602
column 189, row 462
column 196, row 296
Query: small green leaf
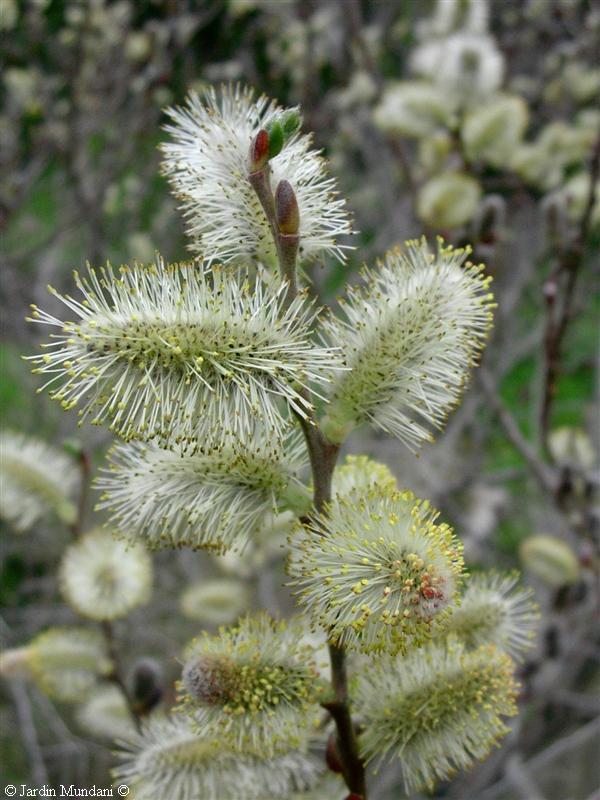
column 276, row 138
column 291, row 121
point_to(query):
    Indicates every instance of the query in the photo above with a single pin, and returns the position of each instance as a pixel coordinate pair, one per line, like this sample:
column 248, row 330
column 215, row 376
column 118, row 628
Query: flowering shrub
column 214, row 367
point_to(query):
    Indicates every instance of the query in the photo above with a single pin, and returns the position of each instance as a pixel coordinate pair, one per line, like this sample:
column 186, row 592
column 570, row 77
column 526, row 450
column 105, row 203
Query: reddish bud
column 550, row 291
column 206, row 679
column 146, row 682
column 586, row 555
column 354, row 796
column 259, row 151
column 286, row 209
column 332, row 756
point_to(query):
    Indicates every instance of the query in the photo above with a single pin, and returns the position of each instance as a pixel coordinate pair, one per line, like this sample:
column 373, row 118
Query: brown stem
column 85, row 467
column 323, row 456
column 116, row 675
column 261, row 183
column 354, row 771
column 559, row 309
column 542, row 473
column 286, row 244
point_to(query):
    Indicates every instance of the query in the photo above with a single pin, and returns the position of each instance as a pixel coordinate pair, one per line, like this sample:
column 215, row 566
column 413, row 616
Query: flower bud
column 206, row 679
column 276, row 137
column 37, row 481
column 254, row 686
column 291, row 121
column 572, row 447
column 286, row 209
column 412, row 108
column 13, row 662
column 551, row 560
column 448, row 200
column 104, row 714
column 66, row 663
column 146, row 682
column 332, row 756
column 490, row 133
column 201, row 171
column 103, row 578
column 259, row 151
column 216, row 602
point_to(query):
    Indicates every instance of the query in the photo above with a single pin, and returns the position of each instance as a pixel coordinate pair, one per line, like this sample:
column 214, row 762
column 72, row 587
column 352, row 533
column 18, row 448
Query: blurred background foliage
column 84, row 86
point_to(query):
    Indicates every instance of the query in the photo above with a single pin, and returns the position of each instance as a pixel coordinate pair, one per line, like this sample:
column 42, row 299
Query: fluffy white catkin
column 180, row 351
column 207, row 165
column 410, row 336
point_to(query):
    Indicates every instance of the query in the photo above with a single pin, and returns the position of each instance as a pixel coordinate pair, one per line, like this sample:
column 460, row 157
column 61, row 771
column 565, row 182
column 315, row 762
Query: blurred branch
column 518, row 775
column 559, row 309
column 84, row 464
column 550, row 755
column 18, row 690
column 352, row 12
column 541, row 471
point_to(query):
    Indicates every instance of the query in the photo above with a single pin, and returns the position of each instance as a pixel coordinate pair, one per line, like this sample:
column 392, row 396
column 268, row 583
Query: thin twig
column 28, row 732
column 353, row 14
column 519, row 777
column 85, row 467
column 116, row 675
column 559, row 309
column 541, row 471
column 286, row 245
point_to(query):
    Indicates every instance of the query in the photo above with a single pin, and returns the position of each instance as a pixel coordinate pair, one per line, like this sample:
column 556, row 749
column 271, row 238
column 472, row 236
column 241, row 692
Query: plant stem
column 84, row 471
column 286, row 245
column 323, row 457
column 116, row 676
column 559, row 309
column 354, row 771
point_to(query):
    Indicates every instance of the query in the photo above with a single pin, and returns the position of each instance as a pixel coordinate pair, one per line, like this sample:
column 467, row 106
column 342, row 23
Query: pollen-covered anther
column 404, row 568
column 255, row 685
